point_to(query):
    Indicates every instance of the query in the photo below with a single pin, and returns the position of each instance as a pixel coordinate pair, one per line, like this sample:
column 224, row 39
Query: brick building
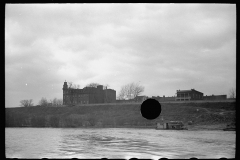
column 187, row 95
column 88, row 95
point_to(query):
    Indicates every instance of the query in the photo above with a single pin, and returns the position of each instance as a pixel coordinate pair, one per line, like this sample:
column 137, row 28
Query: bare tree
column 106, row 86
column 74, row 86
column 30, row 102
column 43, row 102
column 137, row 89
column 122, row 93
column 232, row 93
column 130, row 91
column 59, row 101
column 70, row 84
column 92, row 85
column 54, row 101
column 26, row 103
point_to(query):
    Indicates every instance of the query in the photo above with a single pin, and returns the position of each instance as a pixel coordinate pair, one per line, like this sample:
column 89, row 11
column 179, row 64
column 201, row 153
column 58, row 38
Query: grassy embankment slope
column 209, row 115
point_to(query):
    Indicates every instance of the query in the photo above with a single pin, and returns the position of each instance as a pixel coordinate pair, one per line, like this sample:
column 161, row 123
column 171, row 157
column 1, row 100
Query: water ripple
column 118, row 143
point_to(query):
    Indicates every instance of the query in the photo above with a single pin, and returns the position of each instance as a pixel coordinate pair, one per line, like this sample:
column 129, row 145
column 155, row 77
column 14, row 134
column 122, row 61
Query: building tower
column 65, row 88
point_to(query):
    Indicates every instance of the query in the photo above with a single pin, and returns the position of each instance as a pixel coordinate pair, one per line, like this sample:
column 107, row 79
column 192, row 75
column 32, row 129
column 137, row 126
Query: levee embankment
column 215, row 115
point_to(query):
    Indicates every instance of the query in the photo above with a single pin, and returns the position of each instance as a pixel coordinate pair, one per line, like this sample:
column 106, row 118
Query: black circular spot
column 150, row 109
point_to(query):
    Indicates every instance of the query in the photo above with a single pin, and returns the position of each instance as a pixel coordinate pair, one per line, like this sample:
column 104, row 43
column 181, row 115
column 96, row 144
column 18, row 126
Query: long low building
column 190, row 95
column 88, row 95
column 161, row 99
column 215, row 97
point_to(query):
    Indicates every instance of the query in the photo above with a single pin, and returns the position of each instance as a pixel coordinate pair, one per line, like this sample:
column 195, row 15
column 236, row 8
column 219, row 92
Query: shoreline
column 207, row 127
column 197, row 127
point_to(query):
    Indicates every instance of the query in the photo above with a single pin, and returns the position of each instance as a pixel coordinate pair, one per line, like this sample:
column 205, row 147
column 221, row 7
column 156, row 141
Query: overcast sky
column 164, row 47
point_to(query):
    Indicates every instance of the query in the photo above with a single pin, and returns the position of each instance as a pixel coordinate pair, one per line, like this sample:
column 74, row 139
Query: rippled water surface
column 117, row 143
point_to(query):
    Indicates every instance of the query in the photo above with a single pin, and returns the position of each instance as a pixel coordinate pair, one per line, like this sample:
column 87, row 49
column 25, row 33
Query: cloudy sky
column 164, row 47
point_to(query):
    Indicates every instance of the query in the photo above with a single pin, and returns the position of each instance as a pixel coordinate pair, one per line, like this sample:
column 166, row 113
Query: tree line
column 42, row 102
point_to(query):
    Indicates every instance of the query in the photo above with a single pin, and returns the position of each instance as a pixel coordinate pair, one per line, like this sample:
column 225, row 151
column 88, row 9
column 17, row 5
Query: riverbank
column 202, row 115
column 208, row 127
column 218, row 127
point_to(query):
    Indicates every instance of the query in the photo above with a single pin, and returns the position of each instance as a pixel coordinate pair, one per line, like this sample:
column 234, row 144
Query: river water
column 117, row 143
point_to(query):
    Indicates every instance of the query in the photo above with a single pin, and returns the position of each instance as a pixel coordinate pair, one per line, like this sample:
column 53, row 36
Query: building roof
column 183, row 90
column 188, row 91
column 109, row 89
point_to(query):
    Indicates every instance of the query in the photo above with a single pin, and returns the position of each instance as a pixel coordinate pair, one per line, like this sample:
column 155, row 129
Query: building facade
column 187, row 95
column 88, row 95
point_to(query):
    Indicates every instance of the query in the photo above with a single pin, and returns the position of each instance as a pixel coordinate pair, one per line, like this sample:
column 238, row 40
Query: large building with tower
column 87, row 95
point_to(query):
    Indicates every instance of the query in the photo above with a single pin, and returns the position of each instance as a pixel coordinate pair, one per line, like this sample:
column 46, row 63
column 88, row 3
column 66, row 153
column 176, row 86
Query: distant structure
column 161, row 99
column 140, row 98
column 187, row 95
column 190, row 95
column 88, row 95
column 215, row 97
